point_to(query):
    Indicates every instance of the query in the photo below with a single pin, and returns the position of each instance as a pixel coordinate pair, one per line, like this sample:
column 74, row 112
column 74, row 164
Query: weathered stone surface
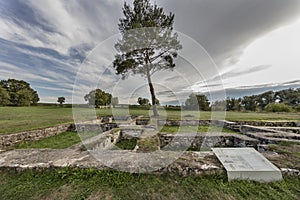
column 188, row 163
column 269, row 123
column 290, row 172
column 142, row 121
column 196, row 140
column 269, row 136
column 183, row 122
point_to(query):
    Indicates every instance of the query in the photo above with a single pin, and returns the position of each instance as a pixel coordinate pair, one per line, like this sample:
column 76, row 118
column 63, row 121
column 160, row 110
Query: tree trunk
column 153, row 98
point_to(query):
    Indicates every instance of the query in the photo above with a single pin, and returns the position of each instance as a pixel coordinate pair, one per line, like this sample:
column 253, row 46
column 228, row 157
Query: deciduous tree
column 143, row 101
column 197, row 102
column 20, row 93
column 98, row 98
column 61, row 100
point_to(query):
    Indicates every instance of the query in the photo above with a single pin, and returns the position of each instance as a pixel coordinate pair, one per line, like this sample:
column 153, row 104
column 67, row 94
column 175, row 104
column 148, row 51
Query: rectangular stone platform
column 247, row 163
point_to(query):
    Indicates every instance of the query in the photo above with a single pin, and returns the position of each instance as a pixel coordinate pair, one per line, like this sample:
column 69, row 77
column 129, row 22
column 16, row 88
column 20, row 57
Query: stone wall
column 183, row 122
column 142, row 121
column 227, row 124
column 8, row 141
column 96, row 127
column 197, row 140
column 104, row 141
column 272, row 124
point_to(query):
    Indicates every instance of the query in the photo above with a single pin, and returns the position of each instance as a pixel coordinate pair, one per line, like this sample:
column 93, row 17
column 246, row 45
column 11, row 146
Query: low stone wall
column 183, row 122
column 8, row 141
column 247, row 128
column 272, row 124
column 186, row 140
column 287, row 129
column 142, row 121
column 131, row 133
column 96, row 127
column 104, row 141
column 227, row 124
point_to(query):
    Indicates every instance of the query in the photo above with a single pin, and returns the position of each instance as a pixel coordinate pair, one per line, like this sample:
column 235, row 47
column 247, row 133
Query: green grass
column 60, row 141
column 76, row 183
column 148, row 144
column 126, row 144
column 16, row 119
column 175, row 129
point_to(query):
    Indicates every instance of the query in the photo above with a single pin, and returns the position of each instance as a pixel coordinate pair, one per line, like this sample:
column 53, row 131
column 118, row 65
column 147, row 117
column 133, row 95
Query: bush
column 297, row 108
column 278, row 107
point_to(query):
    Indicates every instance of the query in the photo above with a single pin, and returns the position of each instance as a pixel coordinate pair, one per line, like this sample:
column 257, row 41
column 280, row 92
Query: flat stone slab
column 187, row 163
column 247, row 163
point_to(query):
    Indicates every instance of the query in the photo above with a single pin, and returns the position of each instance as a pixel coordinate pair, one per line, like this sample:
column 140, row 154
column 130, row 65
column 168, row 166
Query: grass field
column 16, row 119
column 61, row 141
column 93, row 184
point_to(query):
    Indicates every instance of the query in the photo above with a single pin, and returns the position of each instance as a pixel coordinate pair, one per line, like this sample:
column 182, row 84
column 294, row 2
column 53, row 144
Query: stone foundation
column 198, row 140
column 8, row 141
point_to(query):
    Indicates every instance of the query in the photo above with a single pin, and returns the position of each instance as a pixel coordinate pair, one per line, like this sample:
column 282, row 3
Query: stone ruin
column 114, row 129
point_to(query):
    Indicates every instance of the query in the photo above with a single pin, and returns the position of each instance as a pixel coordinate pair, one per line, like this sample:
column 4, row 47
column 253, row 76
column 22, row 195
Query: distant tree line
column 17, row 93
column 280, row 101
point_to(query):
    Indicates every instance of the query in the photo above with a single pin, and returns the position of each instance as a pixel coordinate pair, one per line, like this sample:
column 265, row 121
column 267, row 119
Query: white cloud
column 280, row 49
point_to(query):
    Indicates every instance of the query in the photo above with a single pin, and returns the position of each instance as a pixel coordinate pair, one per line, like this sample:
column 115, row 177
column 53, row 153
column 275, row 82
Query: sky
column 230, row 48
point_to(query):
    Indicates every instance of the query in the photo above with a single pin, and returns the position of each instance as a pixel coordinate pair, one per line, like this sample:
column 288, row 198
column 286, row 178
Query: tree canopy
column 143, row 101
column 148, row 43
column 61, row 100
column 17, row 93
column 98, row 98
column 265, row 101
column 197, row 102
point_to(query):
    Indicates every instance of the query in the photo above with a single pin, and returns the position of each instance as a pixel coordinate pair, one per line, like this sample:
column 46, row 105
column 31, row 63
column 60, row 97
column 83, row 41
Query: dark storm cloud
column 225, row 27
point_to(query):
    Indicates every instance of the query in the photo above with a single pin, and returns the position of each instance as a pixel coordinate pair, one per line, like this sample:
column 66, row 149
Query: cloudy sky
column 230, row 48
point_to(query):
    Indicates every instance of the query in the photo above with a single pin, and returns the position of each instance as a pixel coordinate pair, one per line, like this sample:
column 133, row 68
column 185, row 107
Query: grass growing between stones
column 76, row 183
column 127, row 144
column 175, row 129
column 148, row 144
column 289, row 153
column 60, row 141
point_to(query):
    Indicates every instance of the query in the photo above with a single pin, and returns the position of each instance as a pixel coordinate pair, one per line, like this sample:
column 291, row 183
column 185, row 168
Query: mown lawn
column 16, row 119
column 94, row 184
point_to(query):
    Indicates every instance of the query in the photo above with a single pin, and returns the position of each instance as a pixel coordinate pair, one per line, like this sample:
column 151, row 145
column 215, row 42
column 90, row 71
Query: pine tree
column 148, row 43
